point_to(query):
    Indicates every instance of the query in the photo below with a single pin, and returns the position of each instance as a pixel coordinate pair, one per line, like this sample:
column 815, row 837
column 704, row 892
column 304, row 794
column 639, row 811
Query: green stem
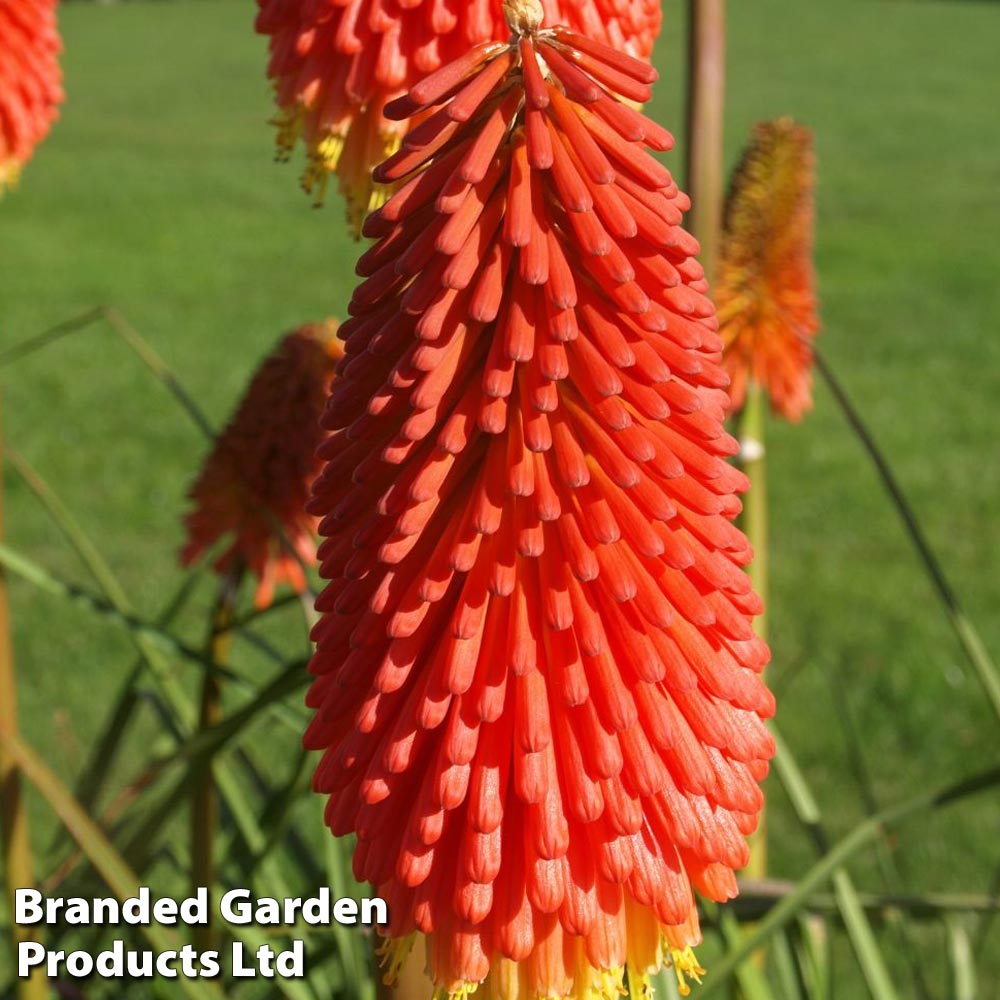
column 204, row 799
column 968, row 637
column 705, row 109
column 16, row 844
column 751, row 426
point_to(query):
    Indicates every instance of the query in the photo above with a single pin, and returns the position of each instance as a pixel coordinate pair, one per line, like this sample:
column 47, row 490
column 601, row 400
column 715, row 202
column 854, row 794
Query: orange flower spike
column 254, row 483
column 30, row 81
column 336, row 64
column 766, row 292
column 537, row 685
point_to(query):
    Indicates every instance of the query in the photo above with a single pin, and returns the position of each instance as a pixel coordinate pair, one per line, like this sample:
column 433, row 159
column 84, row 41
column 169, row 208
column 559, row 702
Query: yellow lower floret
column 685, row 964
column 10, row 172
column 393, row 954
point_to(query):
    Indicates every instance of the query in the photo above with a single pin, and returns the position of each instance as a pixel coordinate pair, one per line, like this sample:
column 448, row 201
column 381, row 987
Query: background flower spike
column 253, row 484
column 537, row 687
column 766, row 289
column 341, row 67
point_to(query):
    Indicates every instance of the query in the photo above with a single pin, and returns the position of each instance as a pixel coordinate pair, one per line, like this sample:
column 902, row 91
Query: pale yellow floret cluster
column 326, row 156
column 509, row 980
column 10, row 172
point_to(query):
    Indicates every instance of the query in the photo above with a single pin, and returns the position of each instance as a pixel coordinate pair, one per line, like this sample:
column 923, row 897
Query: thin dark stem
column 758, row 897
column 39, row 340
column 159, row 368
column 204, row 799
column 967, row 634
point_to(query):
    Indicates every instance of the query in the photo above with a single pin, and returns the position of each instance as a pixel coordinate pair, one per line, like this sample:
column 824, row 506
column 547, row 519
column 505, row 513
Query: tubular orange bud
column 254, row 483
column 537, row 685
column 766, row 292
column 30, row 81
column 337, row 64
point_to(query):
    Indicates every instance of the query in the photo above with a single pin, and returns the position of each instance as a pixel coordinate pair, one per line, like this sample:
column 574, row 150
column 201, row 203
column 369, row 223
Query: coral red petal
column 537, row 685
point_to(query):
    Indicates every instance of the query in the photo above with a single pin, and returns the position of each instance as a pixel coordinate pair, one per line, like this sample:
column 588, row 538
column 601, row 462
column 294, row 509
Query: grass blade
column 968, row 636
column 351, row 946
column 101, row 853
column 15, row 841
column 39, row 340
column 864, row 833
column 159, row 368
column 173, row 694
column 963, row 968
column 749, row 975
column 148, row 633
column 815, row 958
column 102, row 758
column 862, row 937
column 785, row 968
column 859, row 930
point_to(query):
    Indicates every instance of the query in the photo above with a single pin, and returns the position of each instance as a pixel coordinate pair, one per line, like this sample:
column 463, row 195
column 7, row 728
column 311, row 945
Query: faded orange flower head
column 537, row 684
column 766, row 289
column 30, row 81
column 254, row 483
column 336, row 63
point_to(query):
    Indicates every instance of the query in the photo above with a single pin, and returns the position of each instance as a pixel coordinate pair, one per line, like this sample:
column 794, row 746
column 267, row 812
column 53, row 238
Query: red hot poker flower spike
column 336, row 63
column 766, row 293
column 254, row 483
column 537, row 686
column 30, row 81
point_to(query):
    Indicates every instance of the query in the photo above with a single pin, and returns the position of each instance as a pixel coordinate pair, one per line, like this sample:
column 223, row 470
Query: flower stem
column 754, row 522
column 204, row 801
column 751, row 426
column 705, row 118
column 16, row 845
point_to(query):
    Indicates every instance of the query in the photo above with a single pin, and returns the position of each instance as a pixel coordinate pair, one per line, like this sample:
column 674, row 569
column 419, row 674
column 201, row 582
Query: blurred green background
column 157, row 193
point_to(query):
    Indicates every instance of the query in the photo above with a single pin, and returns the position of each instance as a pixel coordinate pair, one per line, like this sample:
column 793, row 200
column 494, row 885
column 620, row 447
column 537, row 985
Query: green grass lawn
column 157, row 193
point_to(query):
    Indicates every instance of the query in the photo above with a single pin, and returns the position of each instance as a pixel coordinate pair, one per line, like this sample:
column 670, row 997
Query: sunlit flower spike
column 253, row 485
column 537, row 685
column 30, row 81
column 336, row 63
column 766, row 291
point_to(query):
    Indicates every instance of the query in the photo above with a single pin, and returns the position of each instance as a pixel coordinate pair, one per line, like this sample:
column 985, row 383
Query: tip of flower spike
column 524, row 17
